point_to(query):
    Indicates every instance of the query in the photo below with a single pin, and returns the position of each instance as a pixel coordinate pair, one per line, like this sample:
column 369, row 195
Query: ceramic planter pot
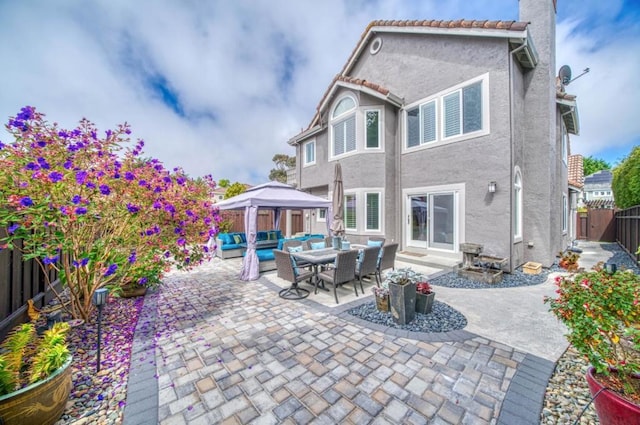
column 41, row 403
column 610, row 407
column 402, row 302
column 424, row 302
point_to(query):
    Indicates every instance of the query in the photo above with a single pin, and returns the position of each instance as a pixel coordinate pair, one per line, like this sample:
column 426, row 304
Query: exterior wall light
column 492, row 187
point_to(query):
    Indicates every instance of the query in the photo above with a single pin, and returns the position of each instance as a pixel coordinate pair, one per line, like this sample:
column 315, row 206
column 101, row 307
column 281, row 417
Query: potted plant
column 402, row 293
column 35, row 377
column 424, row 297
column 602, row 313
column 569, row 260
column 381, row 294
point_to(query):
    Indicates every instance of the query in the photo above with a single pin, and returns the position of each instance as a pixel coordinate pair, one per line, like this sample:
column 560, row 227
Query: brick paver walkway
column 233, row 352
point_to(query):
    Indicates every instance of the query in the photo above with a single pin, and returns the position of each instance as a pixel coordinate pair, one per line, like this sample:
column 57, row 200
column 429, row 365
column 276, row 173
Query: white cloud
column 247, row 74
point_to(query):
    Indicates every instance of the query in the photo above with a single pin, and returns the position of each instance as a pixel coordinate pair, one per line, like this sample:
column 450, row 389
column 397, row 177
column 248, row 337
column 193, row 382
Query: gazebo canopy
column 272, row 195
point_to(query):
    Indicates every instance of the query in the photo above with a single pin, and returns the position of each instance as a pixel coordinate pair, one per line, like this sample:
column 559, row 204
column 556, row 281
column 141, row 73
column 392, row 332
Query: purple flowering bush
column 94, row 209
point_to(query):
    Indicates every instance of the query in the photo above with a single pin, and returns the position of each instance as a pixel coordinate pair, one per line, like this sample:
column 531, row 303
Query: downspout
column 512, row 159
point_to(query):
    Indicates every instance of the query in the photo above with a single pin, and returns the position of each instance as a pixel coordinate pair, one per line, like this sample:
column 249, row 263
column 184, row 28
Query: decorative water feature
column 480, row 267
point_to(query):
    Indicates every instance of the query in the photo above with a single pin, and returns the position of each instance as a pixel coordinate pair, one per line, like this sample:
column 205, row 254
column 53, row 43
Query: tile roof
column 576, row 171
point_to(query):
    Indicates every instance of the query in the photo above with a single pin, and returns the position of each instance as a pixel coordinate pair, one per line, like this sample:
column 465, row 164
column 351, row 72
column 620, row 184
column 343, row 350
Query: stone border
column 142, row 386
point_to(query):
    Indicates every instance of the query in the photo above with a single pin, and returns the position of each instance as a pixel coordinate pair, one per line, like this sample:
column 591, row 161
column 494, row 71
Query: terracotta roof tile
column 576, row 173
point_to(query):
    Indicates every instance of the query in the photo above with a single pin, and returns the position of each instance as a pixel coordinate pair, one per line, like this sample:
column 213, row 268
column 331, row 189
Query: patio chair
column 343, row 272
column 311, row 241
column 290, row 244
column 387, row 261
column 295, row 275
column 367, row 264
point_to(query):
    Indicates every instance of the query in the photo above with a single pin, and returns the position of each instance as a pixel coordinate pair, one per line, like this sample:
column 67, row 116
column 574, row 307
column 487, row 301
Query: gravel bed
column 509, row 280
column 442, row 318
column 99, row 398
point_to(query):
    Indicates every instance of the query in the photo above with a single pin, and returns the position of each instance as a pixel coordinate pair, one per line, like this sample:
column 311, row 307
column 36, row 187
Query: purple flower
column 32, row 166
column 104, row 189
column 26, row 201
column 26, row 113
column 177, row 231
column 82, row 262
column 142, row 281
column 42, row 143
column 43, row 163
column 181, row 180
column 81, row 177
column 81, row 210
column 111, row 270
column 133, row 208
column 157, row 205
column 63, row 134
column 68, row 164
column 170, row 208
column 129, row 176
column 50, row 260
column 76, row 199
column 142, row 183
column 90, row 185
column 12, row 229
column 181, row 241
column 2, row 145
column 132, row 257
column 55, row 176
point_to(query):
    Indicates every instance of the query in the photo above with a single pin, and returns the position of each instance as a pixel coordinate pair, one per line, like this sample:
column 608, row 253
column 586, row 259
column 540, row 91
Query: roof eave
column 389, row 97
column 569, row 113
column 304, row 135
column 469, row 32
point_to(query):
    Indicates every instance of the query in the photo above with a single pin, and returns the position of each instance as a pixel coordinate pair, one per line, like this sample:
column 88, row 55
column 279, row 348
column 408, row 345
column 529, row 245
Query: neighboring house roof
column 599, row 178
column 576, row 171
column 514, row 31
column 569, row 111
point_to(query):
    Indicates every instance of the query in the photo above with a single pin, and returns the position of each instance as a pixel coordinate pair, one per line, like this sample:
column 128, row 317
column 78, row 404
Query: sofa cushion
column 230, row 246
column 261, row 236
column 237, row 238
column 265, row 254
column 225, row 238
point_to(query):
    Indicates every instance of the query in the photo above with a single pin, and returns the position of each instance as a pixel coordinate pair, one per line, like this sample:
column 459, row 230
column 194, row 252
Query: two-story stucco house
column 448, row 132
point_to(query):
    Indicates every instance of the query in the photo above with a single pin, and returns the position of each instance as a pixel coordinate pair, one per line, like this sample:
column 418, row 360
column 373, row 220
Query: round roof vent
column 375, row 46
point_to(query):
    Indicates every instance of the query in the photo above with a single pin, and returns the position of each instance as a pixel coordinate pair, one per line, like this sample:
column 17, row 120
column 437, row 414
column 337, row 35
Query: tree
column 592, row 165
column 235, row 189
column 626, row 180
column 223, row 183
column 283, row 162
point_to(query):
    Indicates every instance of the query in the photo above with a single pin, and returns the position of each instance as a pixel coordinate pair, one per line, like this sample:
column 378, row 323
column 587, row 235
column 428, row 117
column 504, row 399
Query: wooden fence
column 20, row 281
column 628, row 230
column 265, row 220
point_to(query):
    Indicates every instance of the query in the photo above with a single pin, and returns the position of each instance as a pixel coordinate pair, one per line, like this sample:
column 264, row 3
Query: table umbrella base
column 294, row 293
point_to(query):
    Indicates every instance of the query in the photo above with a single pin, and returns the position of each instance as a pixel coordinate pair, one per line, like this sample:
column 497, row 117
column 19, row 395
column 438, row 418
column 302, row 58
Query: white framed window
column 458, row 113
column 372, row 211
column 343, row 127
column 372, row 129
column 321, row 215
column 517, row 206
column 309, row 153
column 565, row 213
column 350, row 212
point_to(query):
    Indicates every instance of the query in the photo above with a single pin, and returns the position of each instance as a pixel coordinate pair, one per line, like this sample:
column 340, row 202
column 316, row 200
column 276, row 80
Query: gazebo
column 272, row 195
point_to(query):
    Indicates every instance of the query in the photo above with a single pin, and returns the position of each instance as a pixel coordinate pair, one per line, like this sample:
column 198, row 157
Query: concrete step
column 429, row 260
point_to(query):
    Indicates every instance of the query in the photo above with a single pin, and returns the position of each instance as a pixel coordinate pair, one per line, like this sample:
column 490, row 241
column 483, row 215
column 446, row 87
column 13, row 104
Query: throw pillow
column 295, row 248
column 237, row 238
column 374, row 243
column 317, row 245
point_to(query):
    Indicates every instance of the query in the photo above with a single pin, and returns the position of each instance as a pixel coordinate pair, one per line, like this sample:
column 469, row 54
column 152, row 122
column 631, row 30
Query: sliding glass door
column 431, row 220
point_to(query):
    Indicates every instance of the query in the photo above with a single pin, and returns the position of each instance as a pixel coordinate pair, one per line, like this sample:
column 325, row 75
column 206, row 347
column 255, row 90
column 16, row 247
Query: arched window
column 343, row 125
column 517, row 205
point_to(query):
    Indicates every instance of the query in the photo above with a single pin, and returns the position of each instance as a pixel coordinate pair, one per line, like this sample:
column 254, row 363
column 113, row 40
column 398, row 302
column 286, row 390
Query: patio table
column 318, row 257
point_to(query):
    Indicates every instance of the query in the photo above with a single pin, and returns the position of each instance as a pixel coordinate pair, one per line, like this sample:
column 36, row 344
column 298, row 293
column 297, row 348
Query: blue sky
column 218, row 87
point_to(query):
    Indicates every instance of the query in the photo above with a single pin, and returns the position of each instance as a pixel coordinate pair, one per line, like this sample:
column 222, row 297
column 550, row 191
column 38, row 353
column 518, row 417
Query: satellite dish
column 565, row 74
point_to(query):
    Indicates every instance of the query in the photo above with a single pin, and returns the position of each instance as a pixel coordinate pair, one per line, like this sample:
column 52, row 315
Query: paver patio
column 229, row 351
